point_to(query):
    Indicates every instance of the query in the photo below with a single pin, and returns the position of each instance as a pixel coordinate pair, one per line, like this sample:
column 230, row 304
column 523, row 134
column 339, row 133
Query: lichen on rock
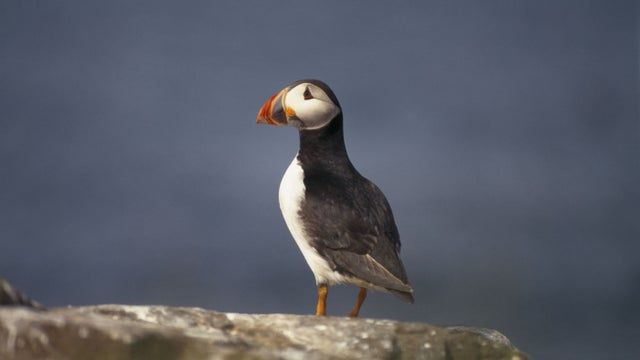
column 160, row 332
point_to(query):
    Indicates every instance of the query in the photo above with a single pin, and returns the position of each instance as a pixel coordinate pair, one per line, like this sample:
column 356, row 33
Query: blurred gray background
column 505, row 135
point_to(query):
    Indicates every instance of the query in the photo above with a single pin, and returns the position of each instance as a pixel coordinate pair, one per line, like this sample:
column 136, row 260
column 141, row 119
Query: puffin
column 340, row 220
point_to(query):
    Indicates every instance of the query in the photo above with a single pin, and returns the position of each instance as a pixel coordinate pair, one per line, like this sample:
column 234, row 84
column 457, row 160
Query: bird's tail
column 406, row 296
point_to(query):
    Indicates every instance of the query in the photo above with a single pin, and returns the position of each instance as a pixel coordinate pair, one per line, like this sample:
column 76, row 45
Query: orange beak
column 273, row 110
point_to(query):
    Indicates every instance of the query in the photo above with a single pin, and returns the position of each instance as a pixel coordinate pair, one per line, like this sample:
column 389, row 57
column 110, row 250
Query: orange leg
column 361, row 296
column 321, row 307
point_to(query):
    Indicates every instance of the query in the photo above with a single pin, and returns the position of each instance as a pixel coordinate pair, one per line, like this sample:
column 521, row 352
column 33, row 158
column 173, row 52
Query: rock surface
column 159, row 332
column 10, row 296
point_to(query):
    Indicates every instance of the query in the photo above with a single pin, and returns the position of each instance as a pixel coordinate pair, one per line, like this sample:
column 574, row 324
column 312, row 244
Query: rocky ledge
column 29, row 331
column 161, row 332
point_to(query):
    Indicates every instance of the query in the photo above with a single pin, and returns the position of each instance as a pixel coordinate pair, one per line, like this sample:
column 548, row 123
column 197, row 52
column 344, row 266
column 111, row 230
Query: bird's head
column 305, row 104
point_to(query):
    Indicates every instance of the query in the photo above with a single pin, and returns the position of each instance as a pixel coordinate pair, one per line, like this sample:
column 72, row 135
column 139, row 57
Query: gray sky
column 505, row 135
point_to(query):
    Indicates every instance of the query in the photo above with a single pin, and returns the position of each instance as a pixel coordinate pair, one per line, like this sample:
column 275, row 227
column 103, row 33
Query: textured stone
column 159, row 332
column 10, row 296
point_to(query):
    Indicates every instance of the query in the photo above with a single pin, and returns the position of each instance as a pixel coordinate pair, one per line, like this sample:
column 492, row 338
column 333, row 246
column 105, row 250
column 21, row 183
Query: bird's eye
column 307, row 94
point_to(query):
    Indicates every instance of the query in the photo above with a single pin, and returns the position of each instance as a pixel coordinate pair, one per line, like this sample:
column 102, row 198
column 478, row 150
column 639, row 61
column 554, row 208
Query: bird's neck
column 324, row 146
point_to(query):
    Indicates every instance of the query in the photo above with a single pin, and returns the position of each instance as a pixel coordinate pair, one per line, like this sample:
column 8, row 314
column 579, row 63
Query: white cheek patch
column 314, row 113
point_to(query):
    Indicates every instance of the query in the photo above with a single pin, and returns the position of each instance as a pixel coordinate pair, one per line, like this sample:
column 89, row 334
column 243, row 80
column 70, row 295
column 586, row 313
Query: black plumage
column 346, row 216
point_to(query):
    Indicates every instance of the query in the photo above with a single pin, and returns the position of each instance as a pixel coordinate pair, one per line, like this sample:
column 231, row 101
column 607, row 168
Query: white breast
column 291, row 195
